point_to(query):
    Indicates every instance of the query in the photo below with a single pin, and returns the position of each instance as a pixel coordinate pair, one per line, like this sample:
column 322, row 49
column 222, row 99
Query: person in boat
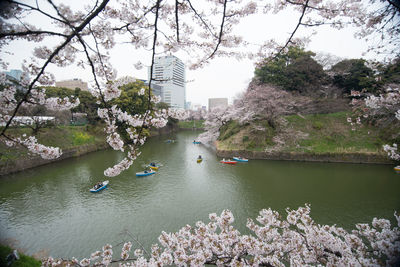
column 152, row 164
column 199, row 157
column 97, row 186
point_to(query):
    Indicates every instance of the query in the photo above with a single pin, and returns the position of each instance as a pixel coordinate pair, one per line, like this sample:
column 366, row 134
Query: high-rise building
column 217, row 102
column 169, row 72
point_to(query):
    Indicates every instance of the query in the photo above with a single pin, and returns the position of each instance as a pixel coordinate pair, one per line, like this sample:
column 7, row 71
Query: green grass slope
column 315, row 133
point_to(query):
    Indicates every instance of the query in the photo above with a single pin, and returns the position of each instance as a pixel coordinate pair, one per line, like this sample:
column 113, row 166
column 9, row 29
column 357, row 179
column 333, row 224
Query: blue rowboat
column 240, row 159
column 145, row 173
column 196, row 142
column 98, row 188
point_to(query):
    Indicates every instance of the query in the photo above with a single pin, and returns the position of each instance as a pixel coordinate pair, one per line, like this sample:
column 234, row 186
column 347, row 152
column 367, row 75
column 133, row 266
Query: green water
column 51, row 209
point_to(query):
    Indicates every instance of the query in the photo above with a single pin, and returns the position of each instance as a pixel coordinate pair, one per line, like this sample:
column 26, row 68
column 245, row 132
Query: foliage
column 24, row 261
column 313, row 133
column 87, row 101
column 84, row 37
column 390, row 73
column 81, row 138
column 132, row 99
column 383, row 111
column 190, row 124
column 65, row 137
column 353, row 74
column 228, row 130
column 274, row 240
column 295, row 70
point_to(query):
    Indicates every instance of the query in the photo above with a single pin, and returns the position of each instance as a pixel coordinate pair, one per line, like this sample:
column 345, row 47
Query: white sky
column 223, row 77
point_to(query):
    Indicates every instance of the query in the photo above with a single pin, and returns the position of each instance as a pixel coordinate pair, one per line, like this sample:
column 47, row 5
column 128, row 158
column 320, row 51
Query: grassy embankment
column 316, row 134
column 196, row 124
column 65, row 137
column 24, row 261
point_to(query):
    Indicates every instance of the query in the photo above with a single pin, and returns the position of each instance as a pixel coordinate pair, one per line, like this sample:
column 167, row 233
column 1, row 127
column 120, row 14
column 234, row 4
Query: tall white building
column 169, row 72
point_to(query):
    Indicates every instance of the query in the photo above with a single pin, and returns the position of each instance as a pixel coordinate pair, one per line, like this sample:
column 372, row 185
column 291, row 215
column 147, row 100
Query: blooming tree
column 204, row 30
column 85, row 37
column 274, row 240
column 387, row 106
column 215, row 119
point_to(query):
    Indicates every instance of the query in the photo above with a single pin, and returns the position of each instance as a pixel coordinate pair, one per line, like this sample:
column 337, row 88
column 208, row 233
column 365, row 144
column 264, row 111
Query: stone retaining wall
column 35, row 161
column 298, row 156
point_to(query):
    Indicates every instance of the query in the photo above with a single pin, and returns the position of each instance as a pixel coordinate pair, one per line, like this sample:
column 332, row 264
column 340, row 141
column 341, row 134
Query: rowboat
column 199, row 160
column 240, row 159
column 99, row 187
column 154, row 166
column 228, row 161
column 196, row 142
column 145, row 173
column 397, row 168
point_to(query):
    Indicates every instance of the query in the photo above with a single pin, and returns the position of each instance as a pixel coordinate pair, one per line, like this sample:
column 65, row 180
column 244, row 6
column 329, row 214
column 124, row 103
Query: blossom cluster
column 31, row 143
column 114, row 116
column 387, row 105
column 275, row 241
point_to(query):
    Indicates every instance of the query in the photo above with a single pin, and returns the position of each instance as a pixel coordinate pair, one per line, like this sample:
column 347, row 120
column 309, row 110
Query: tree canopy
column 294, row 70
column 353, row 74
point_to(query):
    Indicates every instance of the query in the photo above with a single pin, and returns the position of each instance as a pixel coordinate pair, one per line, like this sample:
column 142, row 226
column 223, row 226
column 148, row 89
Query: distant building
column 73, row 83
column 196, row 106
column 15, row 74
column 155, row 88
column 169, row 73
column 217, row 102
column 27, row 120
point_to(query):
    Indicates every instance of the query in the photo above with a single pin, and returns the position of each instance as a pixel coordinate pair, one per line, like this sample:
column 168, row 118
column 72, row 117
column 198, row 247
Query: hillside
column 73, row 140
column 314, row 134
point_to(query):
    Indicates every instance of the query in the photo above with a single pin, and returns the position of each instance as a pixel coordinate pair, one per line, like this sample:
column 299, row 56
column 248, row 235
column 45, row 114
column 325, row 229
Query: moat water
column 49, row 209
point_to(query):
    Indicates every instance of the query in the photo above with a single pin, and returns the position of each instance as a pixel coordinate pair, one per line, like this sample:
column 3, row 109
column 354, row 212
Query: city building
column 14, row 74
column 73, row 83
column 155, row 88
column 217, row 102
column 169, row 73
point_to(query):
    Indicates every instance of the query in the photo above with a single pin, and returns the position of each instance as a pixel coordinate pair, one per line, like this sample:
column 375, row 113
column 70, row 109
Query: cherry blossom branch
column 273, row 241
column 221, row 31
column 50, row 58
column 177, row 19
column 35, row 9
column 31, row 32
column 205, row 24
column 305, row 6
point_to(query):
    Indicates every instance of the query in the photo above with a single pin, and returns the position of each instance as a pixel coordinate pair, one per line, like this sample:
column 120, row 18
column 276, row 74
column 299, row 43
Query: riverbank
column 74, row 141
column 197, row 125
column 314, row 137
column 23, row 261
column 368, row 158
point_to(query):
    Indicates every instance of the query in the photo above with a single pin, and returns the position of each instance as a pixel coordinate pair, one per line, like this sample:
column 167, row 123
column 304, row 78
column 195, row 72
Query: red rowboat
column 228, row 161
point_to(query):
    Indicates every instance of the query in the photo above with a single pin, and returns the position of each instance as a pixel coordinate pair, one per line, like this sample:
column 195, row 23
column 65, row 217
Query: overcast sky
column 223, row 77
